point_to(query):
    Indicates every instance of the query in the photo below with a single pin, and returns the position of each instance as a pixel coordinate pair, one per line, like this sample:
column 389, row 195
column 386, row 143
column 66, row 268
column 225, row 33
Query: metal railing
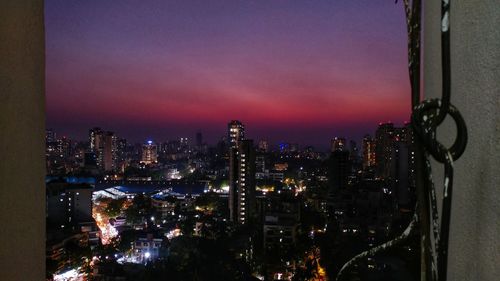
column 427, row 115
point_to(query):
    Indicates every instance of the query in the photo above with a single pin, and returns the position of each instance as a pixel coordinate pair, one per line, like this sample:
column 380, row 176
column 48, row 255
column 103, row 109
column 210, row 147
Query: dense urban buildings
column 283, row 211
column 168, row 184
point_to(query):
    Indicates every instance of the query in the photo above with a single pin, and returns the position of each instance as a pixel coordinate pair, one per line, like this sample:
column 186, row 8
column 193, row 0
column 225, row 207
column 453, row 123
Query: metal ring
column 422, row 122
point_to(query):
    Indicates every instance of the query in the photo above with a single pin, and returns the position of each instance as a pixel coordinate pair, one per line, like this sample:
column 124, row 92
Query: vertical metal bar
column 445, row 219
column 424, row 214
column 414, row 52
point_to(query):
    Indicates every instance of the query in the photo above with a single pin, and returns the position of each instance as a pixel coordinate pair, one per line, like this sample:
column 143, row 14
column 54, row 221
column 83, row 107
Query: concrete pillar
column 22, row 128
column 474, row 249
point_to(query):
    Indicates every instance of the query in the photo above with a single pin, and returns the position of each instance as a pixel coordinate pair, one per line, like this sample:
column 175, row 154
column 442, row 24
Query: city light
column 283, row 94
column 70, row 275
column 173, row 233
column 108, row 232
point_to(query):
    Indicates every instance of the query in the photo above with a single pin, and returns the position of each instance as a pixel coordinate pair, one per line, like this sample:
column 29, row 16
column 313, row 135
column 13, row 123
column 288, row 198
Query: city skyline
column 191, row 139
column 297, row 72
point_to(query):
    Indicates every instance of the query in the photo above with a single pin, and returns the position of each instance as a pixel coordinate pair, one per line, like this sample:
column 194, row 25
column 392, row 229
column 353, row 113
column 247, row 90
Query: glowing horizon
column 290, row 71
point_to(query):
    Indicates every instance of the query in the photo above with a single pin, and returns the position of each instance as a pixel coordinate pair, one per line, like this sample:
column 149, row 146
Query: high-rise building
column 339, row 170
column 236, row 133
column 338, row 143
column 95, row 139
column 260, row 163
column 104, row 145
column 109, row 152
column 90, row 160
column 242, row 182
column 96, row 144
column 281, row 221
column 263, row 146
column 403, row 167
column 121, row 146
column 400, row 173
column 354, row 156
column 64, row 147
column 68, row 204
column 383, row 149
column 261, row 169
column 368, row 152
column 410, row 139
column 50, row 136
column 149, row 153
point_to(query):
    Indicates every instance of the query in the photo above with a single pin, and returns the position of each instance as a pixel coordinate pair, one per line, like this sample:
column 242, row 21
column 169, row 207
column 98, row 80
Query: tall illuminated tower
column 236, row 133
column 96, row 145
column 95, row 139
column 149, row 153
column 383, row 149
column 242, row 182
column 403, row 167
column 368, row 152
column 109, row 152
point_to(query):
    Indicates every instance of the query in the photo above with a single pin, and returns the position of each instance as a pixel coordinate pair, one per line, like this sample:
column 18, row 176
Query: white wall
column 474, row 252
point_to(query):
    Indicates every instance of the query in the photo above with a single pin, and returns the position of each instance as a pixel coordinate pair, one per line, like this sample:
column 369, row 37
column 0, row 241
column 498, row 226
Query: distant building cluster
column 279, row 203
